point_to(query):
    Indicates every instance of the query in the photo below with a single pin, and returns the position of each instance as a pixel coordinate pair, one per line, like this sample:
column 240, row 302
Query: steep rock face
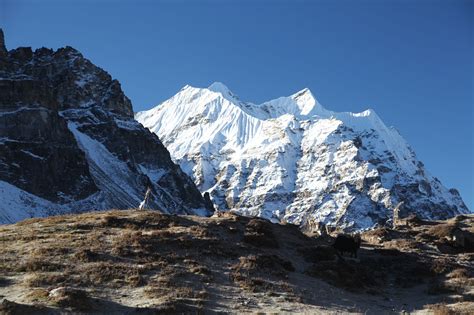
column 69, row 143
column 291, row 159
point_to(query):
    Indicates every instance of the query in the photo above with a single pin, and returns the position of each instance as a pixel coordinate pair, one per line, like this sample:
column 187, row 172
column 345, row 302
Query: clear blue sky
column 412, row 61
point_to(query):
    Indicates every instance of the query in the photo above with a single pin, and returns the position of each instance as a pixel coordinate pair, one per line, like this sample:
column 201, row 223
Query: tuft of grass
column 259, row 273
column 86, row 255
column 441, row 309
column 441, row 231
column 459, row 273
column 259, row 233
column 111, row 274
column 174, row 284
column 404, row 245
column 38, row 264
column 38, row 295
column 40, row 279
column 441, row 266
column 71, row 298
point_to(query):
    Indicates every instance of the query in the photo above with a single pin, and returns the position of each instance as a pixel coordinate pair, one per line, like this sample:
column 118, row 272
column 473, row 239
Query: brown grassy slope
column 147, row 262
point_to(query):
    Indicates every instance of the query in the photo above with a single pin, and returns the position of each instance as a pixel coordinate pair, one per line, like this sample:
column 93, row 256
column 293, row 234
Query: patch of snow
column 32, row 155
column 110, row 174
column 23, row 108
column 127, row 124
column 18, row 205
column 153, row 174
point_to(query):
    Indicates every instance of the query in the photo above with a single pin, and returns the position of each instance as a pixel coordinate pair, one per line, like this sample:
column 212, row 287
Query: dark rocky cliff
column 69, row 143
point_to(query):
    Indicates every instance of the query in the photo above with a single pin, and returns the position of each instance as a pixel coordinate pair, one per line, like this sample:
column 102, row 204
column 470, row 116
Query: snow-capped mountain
column 292, row 160
column 69, row 143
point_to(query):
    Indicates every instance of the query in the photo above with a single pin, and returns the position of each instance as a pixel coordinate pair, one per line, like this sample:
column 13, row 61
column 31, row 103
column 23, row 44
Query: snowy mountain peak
column 305, row 94
column 225, row 92
column 219, row 87
column 289, row 159
column 301, row 104
column 306, row 102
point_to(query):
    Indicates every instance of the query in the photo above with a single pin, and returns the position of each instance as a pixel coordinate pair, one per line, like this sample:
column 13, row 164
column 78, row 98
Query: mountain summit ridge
column 290, row 159
column 69, row 143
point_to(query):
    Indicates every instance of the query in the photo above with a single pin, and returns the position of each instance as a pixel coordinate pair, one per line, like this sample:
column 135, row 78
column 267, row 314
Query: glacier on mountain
column 292, row 160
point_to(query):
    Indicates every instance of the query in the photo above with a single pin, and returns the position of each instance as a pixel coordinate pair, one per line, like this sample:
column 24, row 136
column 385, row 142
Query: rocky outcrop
column 69, row 143
column 3, row 49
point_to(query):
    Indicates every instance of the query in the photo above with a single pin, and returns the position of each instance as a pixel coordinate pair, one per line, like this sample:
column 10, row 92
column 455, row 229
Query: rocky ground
column 147, row 262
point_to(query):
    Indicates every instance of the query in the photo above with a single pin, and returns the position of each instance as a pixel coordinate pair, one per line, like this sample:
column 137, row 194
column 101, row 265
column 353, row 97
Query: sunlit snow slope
column 291, row 159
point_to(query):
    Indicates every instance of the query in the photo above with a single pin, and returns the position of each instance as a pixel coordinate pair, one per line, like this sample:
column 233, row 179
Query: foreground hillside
column 148, row 262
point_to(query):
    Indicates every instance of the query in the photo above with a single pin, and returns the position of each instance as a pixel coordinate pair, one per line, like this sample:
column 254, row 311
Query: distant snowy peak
column 300, row 104
column 290, row 159
column 306, row 101
column 219, row 87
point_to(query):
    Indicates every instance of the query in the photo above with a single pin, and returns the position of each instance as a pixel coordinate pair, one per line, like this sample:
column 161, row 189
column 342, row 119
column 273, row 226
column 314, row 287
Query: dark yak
column 347, row 243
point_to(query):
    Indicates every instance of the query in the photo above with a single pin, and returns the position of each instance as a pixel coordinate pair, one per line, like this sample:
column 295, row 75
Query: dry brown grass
column 381, row 235
column 110, row 274
column 264, row 263
column 38, row 279
column 459, row 273
column 402, row 244
column 441, row 266
column 441, row 309
column 171, row 285
column 349, row 276
column 38, row 295
column 442, row 231
column 71, row 298
column 318, row 253
column 259, row 233
column 38, row 264
column 8, row 307
column 260, row 273
column 181, row 264
column 461, row 281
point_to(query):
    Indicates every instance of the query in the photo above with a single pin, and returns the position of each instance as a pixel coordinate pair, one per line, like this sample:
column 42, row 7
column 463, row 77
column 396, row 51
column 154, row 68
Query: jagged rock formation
column 68, row 142
column 292, row 160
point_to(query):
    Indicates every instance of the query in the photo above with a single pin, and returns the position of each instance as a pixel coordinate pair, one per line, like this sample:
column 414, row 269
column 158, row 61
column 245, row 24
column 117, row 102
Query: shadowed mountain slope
column 69, row 142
